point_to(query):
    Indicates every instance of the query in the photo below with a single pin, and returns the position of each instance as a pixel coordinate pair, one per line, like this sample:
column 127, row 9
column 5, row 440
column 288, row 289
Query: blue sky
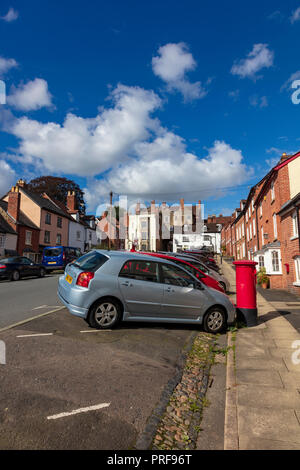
column 157, row 100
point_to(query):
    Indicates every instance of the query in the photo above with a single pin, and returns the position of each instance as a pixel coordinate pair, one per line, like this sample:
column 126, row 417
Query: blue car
column 57, row 257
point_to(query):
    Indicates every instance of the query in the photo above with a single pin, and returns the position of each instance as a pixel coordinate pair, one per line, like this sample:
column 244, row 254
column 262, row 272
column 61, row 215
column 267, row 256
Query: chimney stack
column 21, row 183
column 71, row 201
column 13, row 208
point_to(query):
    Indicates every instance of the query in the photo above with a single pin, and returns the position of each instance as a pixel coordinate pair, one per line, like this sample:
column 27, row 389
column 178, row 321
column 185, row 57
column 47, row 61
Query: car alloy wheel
column 214, row 320
column 106, row 313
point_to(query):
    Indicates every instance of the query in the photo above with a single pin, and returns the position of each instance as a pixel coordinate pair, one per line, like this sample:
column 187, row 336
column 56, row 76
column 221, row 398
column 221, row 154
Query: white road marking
column 30, row 319
column 41, row 306
column 80, row 410
column 93, row 331
column 37, row 334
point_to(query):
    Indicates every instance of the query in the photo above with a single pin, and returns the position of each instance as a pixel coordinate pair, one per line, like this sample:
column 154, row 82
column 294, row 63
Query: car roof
column 133, row 254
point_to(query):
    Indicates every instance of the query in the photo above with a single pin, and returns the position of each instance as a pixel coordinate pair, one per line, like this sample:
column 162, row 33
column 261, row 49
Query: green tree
column 57, row 188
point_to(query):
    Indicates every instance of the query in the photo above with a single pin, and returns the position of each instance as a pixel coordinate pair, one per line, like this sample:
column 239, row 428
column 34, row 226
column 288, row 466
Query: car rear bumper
column 78, row 311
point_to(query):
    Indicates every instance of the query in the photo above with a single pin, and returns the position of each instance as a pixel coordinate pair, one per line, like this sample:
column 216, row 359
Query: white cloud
column 172, row 64
column 295, row 16
column 260, row 57
column 30, row 96
column 129, row 150
column 11, row 15
column 6, row 65
column 166, row 170
column 7, row 177
column 88, row 146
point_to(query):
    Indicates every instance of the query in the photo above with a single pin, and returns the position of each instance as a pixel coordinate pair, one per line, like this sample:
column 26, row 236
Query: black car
column 18, row 266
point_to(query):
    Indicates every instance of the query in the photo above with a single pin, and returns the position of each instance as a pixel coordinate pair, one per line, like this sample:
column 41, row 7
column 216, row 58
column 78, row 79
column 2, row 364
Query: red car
column 207, row 280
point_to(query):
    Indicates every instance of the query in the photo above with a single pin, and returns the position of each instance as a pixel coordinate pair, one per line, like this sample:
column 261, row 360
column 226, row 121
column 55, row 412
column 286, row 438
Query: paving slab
column 269, row 378
column 267, row 397
column 290, row 379
column 259, row 363
column 263, row 423
column 252, row 443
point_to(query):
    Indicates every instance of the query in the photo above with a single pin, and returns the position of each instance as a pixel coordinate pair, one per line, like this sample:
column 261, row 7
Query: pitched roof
column 43, row 202
column 5, row 227
column 23, row 219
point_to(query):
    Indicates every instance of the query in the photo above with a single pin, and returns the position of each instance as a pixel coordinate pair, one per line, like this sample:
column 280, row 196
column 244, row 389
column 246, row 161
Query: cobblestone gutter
column 179, row 422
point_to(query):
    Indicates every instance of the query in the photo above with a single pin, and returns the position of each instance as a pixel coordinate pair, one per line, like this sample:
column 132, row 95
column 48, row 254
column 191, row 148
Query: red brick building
column 28, row 233
column 266, row 229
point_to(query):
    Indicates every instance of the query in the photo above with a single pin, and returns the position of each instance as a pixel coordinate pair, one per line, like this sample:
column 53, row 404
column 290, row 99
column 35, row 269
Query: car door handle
column 169, row 289
column 127, row 284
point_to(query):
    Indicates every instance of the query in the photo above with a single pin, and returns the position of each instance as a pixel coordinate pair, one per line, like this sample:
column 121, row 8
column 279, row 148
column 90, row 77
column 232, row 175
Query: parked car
column 19, row 266
column 57, row 257
column 208, row 261
column 105, row 287
column 222, row 280
column 189, row 265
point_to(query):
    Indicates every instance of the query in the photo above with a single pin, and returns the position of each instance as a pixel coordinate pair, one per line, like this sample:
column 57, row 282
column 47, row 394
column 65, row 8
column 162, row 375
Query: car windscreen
column 52, row 252
column 91, row 261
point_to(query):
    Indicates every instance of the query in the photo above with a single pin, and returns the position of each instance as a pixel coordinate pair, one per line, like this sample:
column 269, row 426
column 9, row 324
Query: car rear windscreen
column 52, row 252
column 91, row 261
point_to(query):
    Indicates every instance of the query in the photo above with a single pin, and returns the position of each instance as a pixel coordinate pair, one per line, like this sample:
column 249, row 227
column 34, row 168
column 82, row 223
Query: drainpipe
column 257, row 233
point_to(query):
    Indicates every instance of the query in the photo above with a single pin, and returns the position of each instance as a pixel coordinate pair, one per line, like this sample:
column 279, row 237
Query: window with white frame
column 243, row 250
column 250, row 231
column 297, row 268
column 260, row 209
column 275, row 261
column 246, row 216
column 275, row 225
column 272, row 191
column 252, row 205
column 262, row 237
column 243, row 230
column 254, row 229
column 28, row 237
column 261, row 261
column 295, row 224
column 247, row 233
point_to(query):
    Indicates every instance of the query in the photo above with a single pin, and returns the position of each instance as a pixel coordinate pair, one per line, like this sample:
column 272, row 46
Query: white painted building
column 209, row 236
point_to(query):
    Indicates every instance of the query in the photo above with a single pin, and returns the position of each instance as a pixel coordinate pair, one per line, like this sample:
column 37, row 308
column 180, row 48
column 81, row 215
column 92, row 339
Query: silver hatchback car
column 105, row 287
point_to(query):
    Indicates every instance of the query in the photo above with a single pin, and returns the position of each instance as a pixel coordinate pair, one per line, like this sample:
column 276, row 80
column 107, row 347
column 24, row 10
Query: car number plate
column 52, row 262
column 69, row 279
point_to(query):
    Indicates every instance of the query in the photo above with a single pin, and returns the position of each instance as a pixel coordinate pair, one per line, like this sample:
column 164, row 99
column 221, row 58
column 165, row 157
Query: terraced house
column 267, row 227
column 43, row 215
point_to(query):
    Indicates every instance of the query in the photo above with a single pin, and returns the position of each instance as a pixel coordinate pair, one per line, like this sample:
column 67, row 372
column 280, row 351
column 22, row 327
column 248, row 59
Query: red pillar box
column 246, row 290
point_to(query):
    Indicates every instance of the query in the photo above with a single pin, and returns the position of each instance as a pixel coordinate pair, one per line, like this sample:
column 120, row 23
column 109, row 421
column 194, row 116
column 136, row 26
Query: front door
column 140, row 287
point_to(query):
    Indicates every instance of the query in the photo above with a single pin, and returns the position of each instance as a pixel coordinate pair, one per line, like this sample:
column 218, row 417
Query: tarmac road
column 66, row 386
column 27, row 298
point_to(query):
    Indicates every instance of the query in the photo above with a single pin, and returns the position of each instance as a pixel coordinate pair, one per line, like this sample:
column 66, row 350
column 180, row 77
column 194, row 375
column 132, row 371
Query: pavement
column 263, row 376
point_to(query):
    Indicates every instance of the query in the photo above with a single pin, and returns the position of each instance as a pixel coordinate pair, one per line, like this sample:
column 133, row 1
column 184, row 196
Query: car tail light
column 84, row 279
column 2, row 266
column 64, row 256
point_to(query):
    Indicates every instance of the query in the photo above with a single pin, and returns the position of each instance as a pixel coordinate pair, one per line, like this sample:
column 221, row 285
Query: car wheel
column 15, row 276
column 106, row 313
column 214, row 320
column 42, row 272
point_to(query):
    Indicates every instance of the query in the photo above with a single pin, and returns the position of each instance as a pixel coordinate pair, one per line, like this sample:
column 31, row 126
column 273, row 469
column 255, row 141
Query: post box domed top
column 245, row 263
